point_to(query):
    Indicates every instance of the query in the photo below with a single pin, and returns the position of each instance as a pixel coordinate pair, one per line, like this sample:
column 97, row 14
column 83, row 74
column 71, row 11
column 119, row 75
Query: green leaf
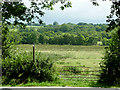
column 62, row 7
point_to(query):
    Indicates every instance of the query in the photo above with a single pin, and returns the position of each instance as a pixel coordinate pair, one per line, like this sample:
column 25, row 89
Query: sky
column 81, row 11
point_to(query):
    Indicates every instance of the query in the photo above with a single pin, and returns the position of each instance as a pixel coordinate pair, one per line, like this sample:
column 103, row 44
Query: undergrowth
column 20, row 68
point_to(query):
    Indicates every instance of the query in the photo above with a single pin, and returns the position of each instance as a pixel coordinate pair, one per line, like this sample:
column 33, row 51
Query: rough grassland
column 69, row 55
column 89, row 56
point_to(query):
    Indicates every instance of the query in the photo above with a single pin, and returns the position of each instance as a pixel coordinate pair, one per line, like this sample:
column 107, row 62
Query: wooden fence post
column 33, row 52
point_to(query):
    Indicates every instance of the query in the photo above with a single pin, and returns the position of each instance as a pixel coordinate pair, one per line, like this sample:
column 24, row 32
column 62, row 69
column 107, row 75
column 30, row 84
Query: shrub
column 110, row 65
column 21, row 69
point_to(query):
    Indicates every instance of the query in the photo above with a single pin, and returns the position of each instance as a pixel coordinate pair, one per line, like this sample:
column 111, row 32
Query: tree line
column 72, row 34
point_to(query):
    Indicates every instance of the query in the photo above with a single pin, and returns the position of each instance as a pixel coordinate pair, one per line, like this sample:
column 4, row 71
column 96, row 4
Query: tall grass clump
column 20, row 68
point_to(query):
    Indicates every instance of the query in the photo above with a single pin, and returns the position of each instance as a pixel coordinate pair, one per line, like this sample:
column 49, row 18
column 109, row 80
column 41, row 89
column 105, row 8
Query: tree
column 81, row 23
column 29, row 37
column 114, row 18
column 15, row 72
column 64, row 28
column 55, row 23
column 20, row 14
column 80, row 39
column 110, row 65
column 41, row 39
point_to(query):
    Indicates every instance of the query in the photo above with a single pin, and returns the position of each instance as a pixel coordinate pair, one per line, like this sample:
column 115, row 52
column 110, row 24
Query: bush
column 110, row 66
column 21, row 69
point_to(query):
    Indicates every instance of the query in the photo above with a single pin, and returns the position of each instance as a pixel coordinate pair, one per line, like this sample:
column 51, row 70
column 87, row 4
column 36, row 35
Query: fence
column 80, row 73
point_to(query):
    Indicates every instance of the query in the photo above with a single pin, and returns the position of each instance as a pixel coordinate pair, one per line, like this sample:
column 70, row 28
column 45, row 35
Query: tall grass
column 68, row 55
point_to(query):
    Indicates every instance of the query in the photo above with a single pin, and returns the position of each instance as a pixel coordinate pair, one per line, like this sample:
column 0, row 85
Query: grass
column 89, row 56
column 59, row 83
column 65, row 83
column 69, row 55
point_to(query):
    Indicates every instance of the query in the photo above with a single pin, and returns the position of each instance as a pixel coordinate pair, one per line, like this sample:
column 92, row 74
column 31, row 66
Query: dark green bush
column 110, row 65
column 20, row 68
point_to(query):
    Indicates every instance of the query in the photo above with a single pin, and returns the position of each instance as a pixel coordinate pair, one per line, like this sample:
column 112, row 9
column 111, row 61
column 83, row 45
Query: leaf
column 20, row 74
column 62, row 7
column 95, row 3
column 52, row 8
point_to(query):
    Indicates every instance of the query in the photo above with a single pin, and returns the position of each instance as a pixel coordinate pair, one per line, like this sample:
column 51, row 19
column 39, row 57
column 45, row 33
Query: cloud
column 82, row 10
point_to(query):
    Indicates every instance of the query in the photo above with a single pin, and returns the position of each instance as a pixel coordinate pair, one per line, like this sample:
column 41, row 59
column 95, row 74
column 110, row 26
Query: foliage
column 6, row 44
column 29, row 37
column 111, row 64
column 82, row 34
column 55, row 23
column 20, row 68
column 16, row 13
column 22, row 13
column 114, row 17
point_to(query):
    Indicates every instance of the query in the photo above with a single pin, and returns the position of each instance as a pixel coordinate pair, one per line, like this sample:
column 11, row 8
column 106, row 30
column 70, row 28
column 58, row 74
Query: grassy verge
column 63, row 83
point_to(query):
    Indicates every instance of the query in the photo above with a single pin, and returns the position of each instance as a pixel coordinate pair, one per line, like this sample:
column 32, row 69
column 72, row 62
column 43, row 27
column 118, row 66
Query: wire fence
column 80, row 73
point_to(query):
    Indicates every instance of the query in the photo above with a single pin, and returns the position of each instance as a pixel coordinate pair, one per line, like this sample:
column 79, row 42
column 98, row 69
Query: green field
column 69, row 55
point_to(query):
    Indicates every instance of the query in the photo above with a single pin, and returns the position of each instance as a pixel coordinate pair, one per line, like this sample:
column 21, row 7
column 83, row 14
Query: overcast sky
column 81, row 11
